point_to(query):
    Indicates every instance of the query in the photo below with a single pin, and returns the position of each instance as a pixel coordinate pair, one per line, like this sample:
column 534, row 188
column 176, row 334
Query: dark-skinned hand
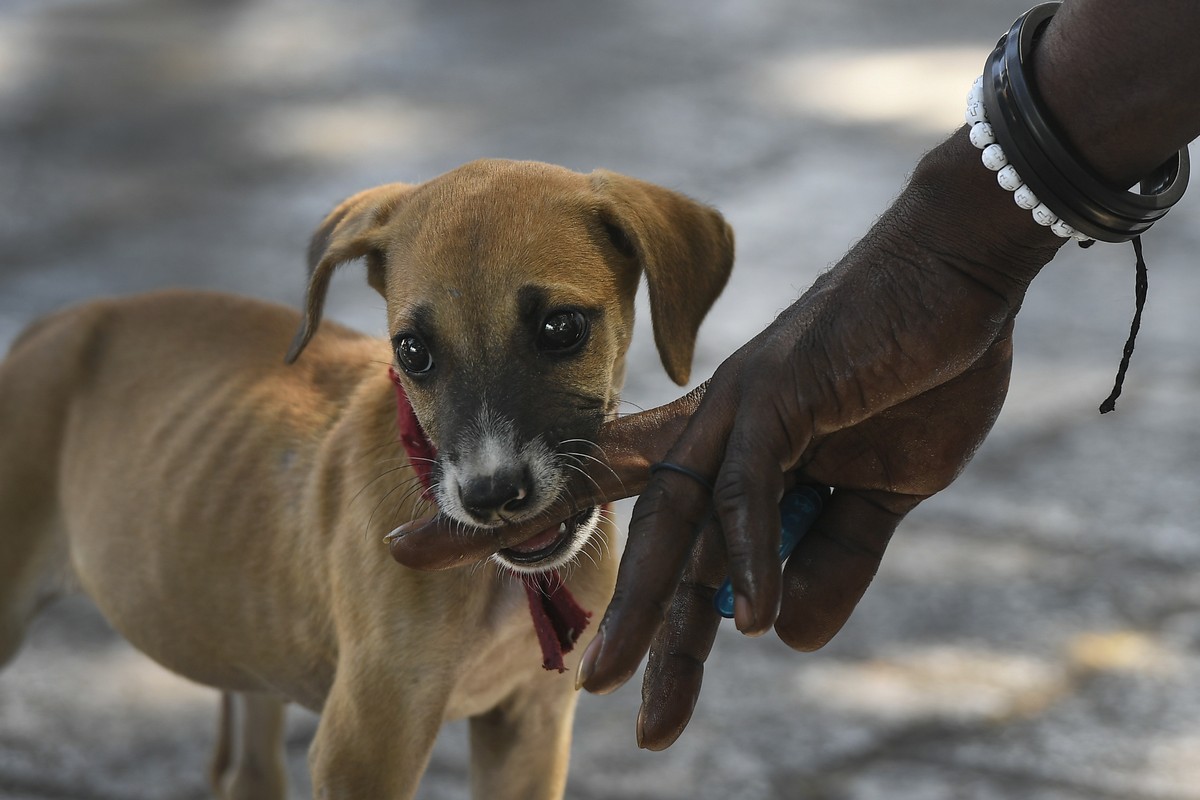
column 881, row 381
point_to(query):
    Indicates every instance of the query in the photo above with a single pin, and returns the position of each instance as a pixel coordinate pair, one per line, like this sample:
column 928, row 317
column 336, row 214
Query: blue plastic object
column 798, row 509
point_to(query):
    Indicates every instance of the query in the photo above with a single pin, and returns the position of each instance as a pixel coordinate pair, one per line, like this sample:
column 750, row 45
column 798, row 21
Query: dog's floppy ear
column 685, row 250
column 350, row 231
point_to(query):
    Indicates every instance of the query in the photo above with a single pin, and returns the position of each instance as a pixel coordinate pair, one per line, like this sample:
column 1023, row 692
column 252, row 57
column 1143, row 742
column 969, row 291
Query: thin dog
column 225, row 510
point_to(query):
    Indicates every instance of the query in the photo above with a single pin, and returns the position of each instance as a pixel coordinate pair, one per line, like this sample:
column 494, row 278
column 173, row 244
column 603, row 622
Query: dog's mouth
column 552, row 547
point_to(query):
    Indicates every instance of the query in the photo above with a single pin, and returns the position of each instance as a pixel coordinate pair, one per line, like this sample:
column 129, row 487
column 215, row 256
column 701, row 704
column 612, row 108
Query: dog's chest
column 504, row 655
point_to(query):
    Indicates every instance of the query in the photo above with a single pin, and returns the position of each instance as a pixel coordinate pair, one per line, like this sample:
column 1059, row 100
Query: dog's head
column 510, row 299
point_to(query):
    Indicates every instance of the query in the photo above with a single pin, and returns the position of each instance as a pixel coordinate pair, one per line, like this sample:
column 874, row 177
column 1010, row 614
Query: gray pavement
column 1035, row 632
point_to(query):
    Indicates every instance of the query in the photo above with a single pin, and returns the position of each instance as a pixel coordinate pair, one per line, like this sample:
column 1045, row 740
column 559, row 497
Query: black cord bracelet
column 1057, row 177
column 691, row 473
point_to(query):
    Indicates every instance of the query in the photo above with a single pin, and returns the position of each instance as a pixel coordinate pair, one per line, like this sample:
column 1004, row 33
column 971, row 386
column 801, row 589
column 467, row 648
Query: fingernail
column 588, row 663
column 744, row 617
column 407, row 528
column 641, row 733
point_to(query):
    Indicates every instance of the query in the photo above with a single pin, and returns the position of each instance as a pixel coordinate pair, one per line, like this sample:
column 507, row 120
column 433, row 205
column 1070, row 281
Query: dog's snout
column 487, row 497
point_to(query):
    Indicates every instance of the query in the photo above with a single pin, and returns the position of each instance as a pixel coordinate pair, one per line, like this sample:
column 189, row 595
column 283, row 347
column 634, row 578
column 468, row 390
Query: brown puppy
column 225, row 510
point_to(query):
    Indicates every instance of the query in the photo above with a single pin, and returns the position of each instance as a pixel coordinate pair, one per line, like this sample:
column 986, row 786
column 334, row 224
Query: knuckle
column 672, row 498
column 738, row 491
column 679, row 661
column 691, row 608
column 695, row 593
column 634, row 613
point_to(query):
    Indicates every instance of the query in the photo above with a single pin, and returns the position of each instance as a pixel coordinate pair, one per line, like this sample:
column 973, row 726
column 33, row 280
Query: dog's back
column 109, row 410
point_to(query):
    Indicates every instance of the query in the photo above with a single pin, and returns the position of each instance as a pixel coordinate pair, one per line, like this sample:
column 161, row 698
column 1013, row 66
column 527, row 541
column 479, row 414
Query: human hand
column 881, row 381
column 883, row 467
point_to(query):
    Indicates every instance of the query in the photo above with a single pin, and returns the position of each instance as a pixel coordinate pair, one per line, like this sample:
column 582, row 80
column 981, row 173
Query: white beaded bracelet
column 994, row 159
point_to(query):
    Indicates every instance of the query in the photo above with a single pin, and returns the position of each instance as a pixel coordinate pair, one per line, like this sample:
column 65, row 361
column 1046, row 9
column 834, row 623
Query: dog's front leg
column 521, row 748
column 373, row 742
column 248, row 764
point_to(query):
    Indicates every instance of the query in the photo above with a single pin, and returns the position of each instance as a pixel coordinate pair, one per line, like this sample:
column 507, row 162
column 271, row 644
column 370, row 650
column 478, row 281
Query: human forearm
column 1119, row 78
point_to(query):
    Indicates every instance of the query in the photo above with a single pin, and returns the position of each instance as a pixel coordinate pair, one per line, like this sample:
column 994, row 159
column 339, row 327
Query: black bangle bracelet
column 1035, row 147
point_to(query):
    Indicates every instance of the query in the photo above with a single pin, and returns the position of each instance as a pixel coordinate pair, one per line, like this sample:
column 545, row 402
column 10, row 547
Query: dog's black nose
column 488, row 497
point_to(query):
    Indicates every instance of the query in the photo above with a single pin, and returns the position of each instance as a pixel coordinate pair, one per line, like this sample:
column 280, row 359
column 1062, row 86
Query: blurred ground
column 1035, row 632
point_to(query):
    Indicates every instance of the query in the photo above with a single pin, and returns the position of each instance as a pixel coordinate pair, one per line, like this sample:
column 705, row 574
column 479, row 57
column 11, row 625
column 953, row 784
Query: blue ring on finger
column 669, row 467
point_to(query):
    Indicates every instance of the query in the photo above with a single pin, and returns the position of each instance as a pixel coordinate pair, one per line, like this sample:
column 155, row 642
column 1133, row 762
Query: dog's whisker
column 583, row 472
column 423, row 460
column 581, row 456
column 421, row 505
column 405, row 486
column 636, row 408
column 389, row 466
column 427, row 508
column 588, row 443
column 409, row 487
column 390, row 443
column 408, row 480
column 426, row 505
column 585, row 553
column 592, row 458
column 378, row 477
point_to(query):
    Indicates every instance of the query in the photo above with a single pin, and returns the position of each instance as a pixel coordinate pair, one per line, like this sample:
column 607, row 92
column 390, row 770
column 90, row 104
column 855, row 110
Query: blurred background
column 1035, row 631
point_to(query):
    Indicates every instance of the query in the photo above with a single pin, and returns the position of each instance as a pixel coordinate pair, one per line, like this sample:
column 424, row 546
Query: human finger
column 834, row 564
column 746, row 500
column 675, row 666
column 665, row 522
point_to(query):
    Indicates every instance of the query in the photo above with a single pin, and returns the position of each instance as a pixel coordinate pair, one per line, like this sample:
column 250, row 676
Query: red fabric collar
column 417, row 446
column 558, row 619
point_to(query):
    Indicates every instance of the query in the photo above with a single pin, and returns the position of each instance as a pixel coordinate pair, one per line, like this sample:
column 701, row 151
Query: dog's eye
column 413, row 355
column 562, row 331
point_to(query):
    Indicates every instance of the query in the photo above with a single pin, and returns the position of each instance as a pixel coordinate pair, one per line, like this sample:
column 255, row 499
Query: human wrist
column 1077, row 129
column 953, row 207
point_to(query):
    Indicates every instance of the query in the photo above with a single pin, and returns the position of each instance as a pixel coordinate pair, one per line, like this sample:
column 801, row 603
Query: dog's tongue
column 538, row 542
column 558, row 619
